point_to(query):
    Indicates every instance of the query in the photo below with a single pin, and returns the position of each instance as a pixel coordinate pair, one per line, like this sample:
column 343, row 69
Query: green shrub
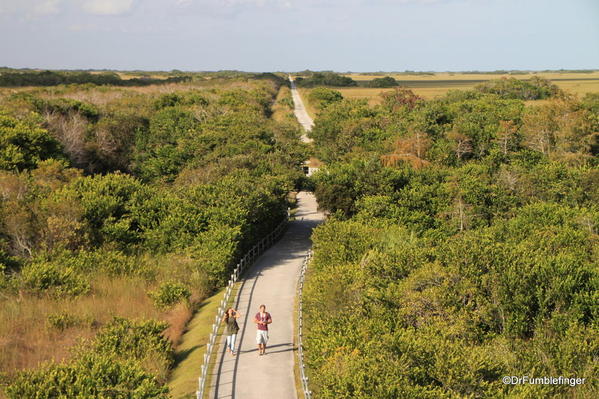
column 93, row 376
column 62, row 321
column 386, row 81
column 169, row 294
column 22, row 146
column 65, row 106
column 140, row 340
column 321, row 97
column 535, row 88
column 111, row 262
column 326, row 79
column 48, row 277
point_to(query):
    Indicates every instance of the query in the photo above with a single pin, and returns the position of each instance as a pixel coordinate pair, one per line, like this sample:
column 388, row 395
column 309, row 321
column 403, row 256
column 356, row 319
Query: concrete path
column 300, row 112
column 272, row 281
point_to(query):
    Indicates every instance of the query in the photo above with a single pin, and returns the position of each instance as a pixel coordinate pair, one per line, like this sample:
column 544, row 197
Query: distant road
column 272, row 281
column 300, row 112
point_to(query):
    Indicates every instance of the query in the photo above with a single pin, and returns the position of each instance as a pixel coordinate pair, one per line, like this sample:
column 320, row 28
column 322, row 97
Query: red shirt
column 263, row 318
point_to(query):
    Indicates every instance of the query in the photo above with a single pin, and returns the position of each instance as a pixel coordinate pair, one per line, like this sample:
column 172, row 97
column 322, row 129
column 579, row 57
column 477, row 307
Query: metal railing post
column 300, row 322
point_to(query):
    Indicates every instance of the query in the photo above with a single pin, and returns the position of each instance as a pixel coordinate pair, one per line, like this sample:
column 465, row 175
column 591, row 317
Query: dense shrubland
column 128, row 203
column 462, row 246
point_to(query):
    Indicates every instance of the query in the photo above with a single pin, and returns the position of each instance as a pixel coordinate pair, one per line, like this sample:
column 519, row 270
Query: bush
column 110, row 262
column 169, row 294
column 93, row 376
column 47, row 277
column 62, row 321
column 511, row 88
column 142, row 341
column 387, row 81
column 326, row 79
column 65, row 106
column 22, row 146
column 321, row 97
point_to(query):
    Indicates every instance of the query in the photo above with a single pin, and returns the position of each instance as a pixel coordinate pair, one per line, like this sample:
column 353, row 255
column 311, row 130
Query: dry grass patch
column 39, row 329
column 282, row 109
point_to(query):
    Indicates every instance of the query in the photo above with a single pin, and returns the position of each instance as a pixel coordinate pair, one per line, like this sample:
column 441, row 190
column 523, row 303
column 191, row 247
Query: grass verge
column 219, row 333
column 183, row 382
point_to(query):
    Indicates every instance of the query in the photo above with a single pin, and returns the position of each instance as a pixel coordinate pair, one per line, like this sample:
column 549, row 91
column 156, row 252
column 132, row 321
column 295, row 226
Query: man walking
column 262, row 320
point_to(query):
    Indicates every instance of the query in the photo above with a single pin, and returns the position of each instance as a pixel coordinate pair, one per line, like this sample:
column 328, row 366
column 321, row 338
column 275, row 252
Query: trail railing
column 300, row 322
column 246, row 261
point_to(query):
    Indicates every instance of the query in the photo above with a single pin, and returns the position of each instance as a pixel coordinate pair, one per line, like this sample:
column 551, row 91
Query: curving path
column 272, row 281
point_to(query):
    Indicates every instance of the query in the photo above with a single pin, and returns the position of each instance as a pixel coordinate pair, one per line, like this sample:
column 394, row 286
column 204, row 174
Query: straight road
column 300, row 112
column 271, row 281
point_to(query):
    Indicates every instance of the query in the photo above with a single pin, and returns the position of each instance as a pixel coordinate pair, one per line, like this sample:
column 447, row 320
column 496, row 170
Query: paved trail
column 271, row 281
column 300, row 112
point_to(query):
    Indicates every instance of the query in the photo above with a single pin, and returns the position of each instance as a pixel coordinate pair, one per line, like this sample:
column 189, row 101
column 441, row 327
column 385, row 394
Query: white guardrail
column 245, row 262
column 300, row 322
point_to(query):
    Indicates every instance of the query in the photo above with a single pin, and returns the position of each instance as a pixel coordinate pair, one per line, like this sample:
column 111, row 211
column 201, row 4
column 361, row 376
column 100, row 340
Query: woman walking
column 231, row 329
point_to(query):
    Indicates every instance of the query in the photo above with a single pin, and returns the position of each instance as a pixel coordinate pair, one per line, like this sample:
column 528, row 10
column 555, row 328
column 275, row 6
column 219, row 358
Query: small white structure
column 310, row 166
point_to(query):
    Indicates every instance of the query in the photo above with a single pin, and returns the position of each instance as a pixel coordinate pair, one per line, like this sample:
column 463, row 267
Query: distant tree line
column 387, row 81
column 54, row 78
column 325, row 79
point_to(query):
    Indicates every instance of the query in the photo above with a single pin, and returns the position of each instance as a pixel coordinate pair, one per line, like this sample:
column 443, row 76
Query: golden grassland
column 476, row 76
column 432, row 86
column 27, row 338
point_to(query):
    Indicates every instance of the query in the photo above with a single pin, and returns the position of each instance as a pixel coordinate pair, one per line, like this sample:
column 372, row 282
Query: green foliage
column 325, row 79
column 65, row 106
column 110, row 262
column 41, row 277
column 62, row 321
column 181, row 98
column 347, row 126
column 23, row 146
column 339, row 186
column 105, row 201
column 387, row 81
column 322, row 97
column 175, row 188
column 53, row 78
column 447, row 312
column 135, row 340
column 434, row 279
column 169, row 293
column 91, row 376
column 535, row 88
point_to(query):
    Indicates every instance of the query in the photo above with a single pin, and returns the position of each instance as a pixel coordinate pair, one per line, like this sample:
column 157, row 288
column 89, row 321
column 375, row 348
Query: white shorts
column 261, row 337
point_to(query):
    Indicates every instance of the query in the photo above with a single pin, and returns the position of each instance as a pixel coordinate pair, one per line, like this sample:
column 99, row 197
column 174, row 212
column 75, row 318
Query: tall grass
column 28, row 337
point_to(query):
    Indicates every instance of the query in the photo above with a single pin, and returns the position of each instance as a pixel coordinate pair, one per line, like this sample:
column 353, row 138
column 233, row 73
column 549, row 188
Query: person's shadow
column 289, row 346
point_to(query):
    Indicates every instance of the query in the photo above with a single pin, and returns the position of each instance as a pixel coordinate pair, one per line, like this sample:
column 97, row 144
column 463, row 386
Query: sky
column 294, row 35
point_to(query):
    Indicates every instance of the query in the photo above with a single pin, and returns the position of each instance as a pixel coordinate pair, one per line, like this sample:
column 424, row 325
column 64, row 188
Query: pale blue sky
column 292, row 35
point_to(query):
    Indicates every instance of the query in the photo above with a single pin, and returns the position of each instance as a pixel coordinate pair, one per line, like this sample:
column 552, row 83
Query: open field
column 436, row 85
column 475, row 76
